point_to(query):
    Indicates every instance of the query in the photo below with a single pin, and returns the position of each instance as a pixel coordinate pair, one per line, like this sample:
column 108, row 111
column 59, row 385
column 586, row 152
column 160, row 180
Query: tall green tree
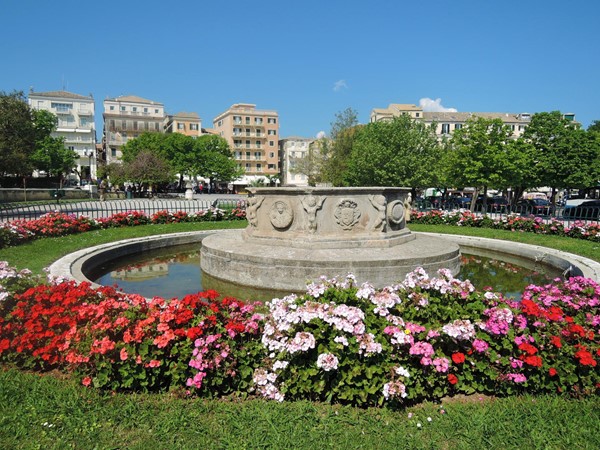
column 215, row 159
column 401, row 152
column 594, row 126
column 336, row 150
column 50, row 154
column 565, row 155
column 17, row 134
column 479, row 155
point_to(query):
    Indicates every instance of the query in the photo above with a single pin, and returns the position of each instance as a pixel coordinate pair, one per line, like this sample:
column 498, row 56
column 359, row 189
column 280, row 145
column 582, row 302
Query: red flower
column 528, row 348
column 452, row 379
column 555, row 340
column 86, row 381
column 458, row 358
column 552, row 371
column 534, row 361
column 585, row 358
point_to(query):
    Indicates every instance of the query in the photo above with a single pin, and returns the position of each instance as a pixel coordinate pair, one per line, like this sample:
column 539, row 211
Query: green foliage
column 337, row 149
column 402, row 152
column 53, row 157
column 17, row 134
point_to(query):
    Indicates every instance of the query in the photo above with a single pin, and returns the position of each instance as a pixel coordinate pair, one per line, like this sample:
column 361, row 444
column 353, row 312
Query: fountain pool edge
column 74, row 265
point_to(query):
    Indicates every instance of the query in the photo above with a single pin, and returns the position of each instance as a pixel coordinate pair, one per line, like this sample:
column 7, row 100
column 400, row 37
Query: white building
column 291, row 149
column 127, row 117
column 75, row 115
column 448, row 122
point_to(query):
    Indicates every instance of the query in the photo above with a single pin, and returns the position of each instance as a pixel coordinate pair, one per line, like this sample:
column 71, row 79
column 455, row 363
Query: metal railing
column 97, row 209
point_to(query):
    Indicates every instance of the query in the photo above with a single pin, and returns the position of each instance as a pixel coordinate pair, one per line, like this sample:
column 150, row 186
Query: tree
column 52, row 157
column 147, row 169
column 401, row 152
column 337, row 149
column 50, row 154
column 214, row 159
column 17, row 134
column 479, row 155
column 565, row 155
column 594, row 126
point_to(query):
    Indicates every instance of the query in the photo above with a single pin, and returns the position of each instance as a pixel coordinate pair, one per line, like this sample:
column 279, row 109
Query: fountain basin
column 295, row 235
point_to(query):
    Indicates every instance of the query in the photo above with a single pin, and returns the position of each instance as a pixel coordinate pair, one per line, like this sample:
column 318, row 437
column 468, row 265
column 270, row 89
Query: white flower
column 327, row 362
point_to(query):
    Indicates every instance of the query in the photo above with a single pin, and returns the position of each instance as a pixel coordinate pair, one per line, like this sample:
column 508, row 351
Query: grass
column 87, row 418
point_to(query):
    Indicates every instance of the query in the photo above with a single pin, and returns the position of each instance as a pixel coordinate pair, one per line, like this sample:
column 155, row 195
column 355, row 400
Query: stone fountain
column 297, row 234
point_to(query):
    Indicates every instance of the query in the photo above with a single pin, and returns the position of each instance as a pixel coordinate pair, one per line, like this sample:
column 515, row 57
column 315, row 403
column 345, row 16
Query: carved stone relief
column 395, row 212
column 379, row 203
column 311, row 205
column 251, row 209
column 281, row 214
column 347, row 214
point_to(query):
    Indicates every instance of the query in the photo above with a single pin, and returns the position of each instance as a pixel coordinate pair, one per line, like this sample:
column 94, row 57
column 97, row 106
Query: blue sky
column 310, row 59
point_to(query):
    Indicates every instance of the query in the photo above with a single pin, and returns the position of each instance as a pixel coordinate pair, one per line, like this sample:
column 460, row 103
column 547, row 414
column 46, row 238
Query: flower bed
column 425, row 338
column 579, row 230
column 61, row 224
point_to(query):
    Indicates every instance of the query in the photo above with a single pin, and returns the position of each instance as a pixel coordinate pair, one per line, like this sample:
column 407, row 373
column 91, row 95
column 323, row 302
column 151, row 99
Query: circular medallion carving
column 395, row 212
column 281, row 215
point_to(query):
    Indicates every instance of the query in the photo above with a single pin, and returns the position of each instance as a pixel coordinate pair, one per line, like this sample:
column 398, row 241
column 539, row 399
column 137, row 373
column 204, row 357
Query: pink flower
column 86, row 381
column 480, row 346
column 123, row 354
column 327, row 362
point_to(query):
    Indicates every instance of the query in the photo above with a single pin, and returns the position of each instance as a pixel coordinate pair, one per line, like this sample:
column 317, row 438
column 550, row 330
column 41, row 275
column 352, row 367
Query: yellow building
column 188, row 123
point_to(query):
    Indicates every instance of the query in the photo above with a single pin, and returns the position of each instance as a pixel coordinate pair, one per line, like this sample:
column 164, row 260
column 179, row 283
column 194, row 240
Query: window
column 156, row 111
column 111, row 107
column 247, row 155
column 134, row 108
column 271, row 132
column 417, row 114
column 248, row 166
column 258, row 120
column 247, row 120
column 271, row 166
column 445, row 128
column 247, row 144
column 194, row 126
column 145, row 110
column 247, row 131
column 123, row 124
column 236, row 120
column 237, row 142
column 113, row 152
column 112, row 124
column 122, row 108
column 271, row 143
column 238, row 155
column 257, row 155
column 458, row 126
column 257, row 144
column 259, row 167
column 84, row 121
column 271, row 120
column 156, row 126
column 271, row 154
column 220, row 123
column 135, row 125
column 61, row 107
column 146, row 126
column 181, row 126
column 72, row 148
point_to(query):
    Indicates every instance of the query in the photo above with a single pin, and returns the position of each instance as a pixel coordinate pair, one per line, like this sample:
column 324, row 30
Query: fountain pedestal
column 296, row 235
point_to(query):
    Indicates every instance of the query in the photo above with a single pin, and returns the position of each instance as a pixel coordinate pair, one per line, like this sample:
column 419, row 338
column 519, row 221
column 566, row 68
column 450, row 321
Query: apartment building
column 448, row 122
column 188, row 123
column 291, row 150
column 127, row 117
column 75, row 124
column 253, row 136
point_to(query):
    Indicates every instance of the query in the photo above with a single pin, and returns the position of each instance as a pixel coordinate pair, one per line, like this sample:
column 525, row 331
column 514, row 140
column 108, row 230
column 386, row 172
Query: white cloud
column 339, row 85
column 321, row 135
column 431, row 105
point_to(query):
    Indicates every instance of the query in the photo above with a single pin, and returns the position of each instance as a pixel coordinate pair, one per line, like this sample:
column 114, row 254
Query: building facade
column 253, row 136
column 125, row 118
column 291, row 150
column 447, row 122
column 188, row 123
column 75, row 124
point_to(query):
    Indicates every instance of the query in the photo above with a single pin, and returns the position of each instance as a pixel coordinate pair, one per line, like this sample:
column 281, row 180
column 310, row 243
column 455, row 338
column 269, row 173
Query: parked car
column 458, row 202
column 535, row 206
column 588, row 210
column 496, row 204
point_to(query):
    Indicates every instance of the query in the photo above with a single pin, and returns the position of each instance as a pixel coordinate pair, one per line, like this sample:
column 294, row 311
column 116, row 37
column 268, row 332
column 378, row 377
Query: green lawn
column 53, row 412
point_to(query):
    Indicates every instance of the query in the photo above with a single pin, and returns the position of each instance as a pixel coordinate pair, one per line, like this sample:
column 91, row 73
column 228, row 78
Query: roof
column 464, row 116
column 61, row 94
column 133, row 99
column 186, row 115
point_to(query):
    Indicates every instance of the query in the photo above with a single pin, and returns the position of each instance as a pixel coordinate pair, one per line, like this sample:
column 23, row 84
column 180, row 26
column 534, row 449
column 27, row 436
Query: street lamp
column 90, row 154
